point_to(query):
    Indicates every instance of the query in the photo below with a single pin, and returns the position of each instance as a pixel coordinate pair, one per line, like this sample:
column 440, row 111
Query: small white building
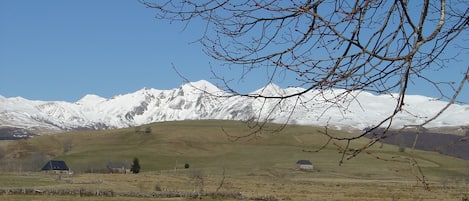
column 304, row 165
column 118, row 167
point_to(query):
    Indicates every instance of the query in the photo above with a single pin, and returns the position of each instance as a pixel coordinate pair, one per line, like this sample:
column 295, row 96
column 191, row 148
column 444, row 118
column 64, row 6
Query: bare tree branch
column 376, row 46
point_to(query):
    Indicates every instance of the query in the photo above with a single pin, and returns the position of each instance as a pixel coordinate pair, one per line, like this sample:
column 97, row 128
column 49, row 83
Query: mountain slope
column 203, row 100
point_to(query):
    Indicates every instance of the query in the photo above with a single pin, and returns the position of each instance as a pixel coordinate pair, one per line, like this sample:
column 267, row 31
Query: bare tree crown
column 354, row 45
column 363, row 45
column 378, row 46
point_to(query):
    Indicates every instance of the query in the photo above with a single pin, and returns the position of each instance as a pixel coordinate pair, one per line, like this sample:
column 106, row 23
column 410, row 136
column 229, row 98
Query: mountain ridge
column 203, row 100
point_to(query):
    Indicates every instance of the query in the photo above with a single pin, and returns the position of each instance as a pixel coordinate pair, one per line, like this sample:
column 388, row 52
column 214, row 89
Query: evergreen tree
column 135, row 168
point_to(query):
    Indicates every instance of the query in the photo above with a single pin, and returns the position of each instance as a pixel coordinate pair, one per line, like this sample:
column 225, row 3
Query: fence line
column 111, row 193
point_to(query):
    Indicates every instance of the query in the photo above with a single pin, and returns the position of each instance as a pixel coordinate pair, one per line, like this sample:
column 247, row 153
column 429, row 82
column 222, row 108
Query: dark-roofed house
column 56, row 166
column 304, row 165
column 118, row 167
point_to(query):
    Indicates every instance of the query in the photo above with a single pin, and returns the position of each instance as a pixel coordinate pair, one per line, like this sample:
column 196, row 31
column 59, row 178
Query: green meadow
column 261, row 166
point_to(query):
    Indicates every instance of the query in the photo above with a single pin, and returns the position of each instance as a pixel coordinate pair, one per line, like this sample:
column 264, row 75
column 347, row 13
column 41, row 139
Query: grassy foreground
column 259, row 168
column 295, row 186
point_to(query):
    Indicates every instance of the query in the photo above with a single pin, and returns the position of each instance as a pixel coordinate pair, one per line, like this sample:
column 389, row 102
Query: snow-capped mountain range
column 203, row 100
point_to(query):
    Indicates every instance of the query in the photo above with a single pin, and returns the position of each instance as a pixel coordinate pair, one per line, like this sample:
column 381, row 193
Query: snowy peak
column 270, row 89
column 202, row 86
column 203, row 100
column 90, row 99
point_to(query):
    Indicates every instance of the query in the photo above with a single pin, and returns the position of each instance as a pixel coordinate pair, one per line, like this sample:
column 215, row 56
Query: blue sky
column 63, row 50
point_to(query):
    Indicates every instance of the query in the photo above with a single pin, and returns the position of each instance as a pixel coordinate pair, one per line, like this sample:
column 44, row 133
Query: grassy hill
column 259, row 167
column 206, row 144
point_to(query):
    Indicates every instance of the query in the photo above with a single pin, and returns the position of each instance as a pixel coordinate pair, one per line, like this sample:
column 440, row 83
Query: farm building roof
column 55, row 165
column 304, row 162
column 118, row 165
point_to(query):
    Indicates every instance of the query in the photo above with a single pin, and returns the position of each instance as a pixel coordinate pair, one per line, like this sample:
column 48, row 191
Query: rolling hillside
column 206, row 145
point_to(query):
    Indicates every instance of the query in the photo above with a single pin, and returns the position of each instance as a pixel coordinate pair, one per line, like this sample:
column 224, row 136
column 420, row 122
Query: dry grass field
column 260, row 168
column 268, row 186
